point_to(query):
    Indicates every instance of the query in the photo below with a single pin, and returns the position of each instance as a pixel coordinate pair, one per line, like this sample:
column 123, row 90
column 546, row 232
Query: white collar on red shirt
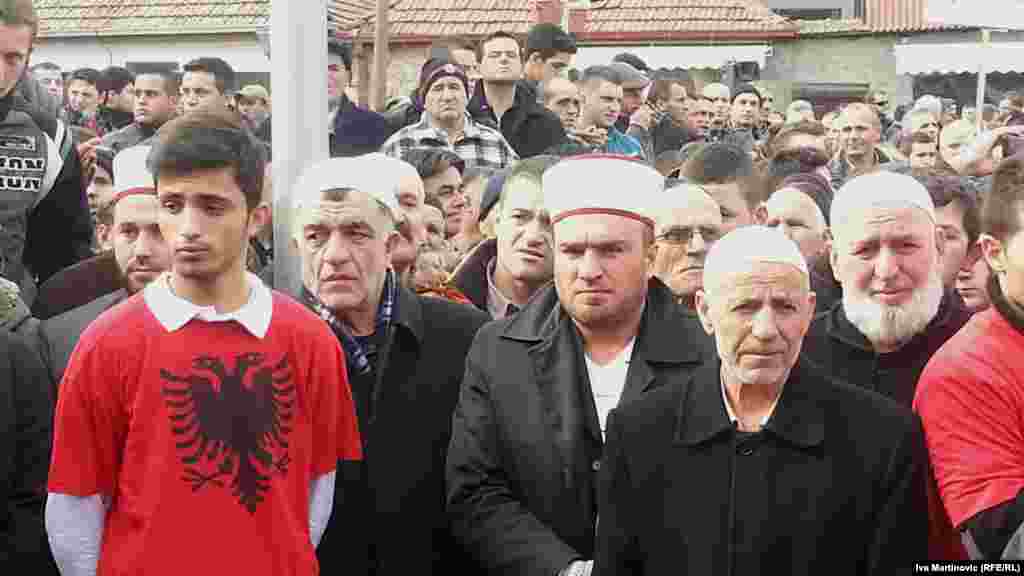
column 174, row 312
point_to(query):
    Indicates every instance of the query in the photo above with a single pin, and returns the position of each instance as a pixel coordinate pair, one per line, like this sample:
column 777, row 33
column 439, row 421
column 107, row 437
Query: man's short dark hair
column 171, row 81
column 342, row 50
column 114, row 79
column 633, row 60
column 748, row 89
column 500, row 34
column 211, row 139
column 721, row 163
column 944, row 190
column 222, row 72
column 87, row 75
column 45, row 66
column 532, row 168
column 549, row 40
column 430, row 162
column 804, row 127
column 1000, row 216
column 600, row 72
column 788, row 162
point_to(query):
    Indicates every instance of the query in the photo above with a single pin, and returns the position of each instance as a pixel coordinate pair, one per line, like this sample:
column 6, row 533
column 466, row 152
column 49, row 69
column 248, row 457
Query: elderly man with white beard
column 796, row 470
column 895, row 313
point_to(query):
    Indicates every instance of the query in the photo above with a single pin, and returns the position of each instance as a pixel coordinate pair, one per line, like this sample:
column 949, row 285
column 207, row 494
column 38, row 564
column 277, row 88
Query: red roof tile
column 133, row 17
column 831, row 26
column 899, row 16
column 606, row 19
column 343, row 15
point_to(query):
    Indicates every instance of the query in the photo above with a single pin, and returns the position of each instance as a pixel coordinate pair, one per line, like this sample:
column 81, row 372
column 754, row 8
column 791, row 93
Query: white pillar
column 298, row 76
column 986, row 42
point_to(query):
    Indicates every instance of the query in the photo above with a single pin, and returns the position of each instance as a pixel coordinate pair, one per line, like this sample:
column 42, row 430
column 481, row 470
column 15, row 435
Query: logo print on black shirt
column 233, row 429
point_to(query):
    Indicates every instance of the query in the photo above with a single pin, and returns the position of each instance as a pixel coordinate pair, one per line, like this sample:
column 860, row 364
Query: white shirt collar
column 174, row 312
column 732, row 415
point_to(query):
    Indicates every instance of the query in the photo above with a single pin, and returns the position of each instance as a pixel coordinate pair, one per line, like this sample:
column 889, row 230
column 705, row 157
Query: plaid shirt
column 479, row 146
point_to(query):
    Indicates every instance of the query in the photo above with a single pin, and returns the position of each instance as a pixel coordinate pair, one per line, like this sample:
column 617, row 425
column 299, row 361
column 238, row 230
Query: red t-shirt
column 207, row 438
column 971, row 400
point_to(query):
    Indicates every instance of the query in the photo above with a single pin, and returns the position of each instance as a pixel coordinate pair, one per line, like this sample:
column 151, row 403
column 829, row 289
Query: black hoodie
column 58, row 231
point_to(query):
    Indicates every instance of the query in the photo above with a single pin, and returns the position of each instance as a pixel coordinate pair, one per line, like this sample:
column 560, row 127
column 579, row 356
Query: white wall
column 242, row 51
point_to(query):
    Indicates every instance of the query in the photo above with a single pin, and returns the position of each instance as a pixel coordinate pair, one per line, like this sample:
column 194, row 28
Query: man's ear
column 993, row 252
column 703, row 307
column 760, row 214
column 258, row 219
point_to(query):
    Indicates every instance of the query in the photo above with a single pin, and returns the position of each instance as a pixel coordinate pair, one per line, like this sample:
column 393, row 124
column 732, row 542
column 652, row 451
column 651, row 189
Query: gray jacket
column 59, row 335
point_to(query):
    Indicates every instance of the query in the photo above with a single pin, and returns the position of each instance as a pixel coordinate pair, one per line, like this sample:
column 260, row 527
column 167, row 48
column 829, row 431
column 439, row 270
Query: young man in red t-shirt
column 199, row 423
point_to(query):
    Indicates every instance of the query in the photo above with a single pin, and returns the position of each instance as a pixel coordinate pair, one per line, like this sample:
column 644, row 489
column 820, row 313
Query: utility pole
column 380, row 56
column 299, row 79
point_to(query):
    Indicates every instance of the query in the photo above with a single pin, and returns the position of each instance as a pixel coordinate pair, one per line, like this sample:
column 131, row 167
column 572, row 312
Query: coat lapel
column 666, row 339
column 563, row 384
column 395, row 375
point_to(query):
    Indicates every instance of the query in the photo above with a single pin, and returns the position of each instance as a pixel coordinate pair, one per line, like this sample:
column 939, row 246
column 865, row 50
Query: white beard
column 893, row 326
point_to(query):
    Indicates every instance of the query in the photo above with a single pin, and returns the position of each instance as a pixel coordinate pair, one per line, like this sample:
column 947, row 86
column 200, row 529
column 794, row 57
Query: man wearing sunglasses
column 879, row 100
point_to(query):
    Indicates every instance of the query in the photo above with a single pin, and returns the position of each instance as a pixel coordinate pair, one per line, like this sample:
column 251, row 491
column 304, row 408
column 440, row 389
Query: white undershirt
column 607, row 382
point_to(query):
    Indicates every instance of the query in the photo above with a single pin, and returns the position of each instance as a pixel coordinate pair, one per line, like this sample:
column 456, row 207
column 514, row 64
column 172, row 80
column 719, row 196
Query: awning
column 956, row 58
column 680, row 56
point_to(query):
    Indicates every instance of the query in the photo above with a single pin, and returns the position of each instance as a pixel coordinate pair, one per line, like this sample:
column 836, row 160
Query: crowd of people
column 551, row 321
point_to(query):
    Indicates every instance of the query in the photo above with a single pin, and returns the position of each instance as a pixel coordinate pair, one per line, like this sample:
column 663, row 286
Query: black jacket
column 834, row 484
column 526, row 441
column 26, row 413
column 78, row 285
column 59, row 335
column 840, row 349
column 388, row 515
column 357, row 131
column 529, row 128
column 64, row 207
column 663, row 136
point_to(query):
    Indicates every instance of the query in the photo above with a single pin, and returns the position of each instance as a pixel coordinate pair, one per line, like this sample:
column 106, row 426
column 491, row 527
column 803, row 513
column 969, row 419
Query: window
column 810, row 13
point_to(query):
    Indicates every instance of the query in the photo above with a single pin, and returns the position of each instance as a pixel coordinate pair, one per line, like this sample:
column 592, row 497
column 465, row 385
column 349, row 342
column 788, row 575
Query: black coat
column 834, row 484
column 59, row 335
column 388, row 515
column 529, row 128
column 839, row 348
column 26, row 415
column 526, row 443
column 357, row 131
column 78, row 285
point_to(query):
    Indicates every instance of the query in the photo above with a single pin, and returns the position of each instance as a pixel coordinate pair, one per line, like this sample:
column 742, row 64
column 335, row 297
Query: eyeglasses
column 681, row 236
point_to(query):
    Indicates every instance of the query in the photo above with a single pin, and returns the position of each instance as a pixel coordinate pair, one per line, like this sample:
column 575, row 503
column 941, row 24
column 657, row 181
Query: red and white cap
column 603, row 184
column 131, row 175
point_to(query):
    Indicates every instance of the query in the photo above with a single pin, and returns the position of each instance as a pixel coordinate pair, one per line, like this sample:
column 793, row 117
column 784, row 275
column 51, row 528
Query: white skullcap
column 603, row 184
column 131, row 176
column 750, row 244
column 880, row 189
column 930, row 103
column 359, row 173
